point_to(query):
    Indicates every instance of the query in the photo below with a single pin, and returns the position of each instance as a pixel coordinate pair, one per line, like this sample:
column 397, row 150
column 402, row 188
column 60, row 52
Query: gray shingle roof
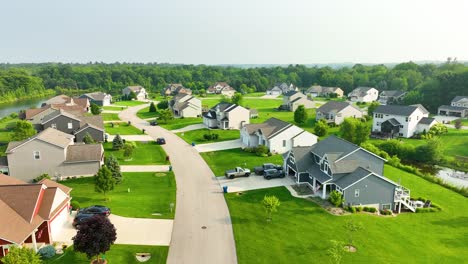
column 333, row 144
column 426, row 120
column 351, row 178
column 290, row 93
column 333, row 106
column 452, row 108
column 393, row 122
column 84, row 152
column 460, row 98
column 97, row 96
column 268, row 128
column 400, row 110
column 392, row 93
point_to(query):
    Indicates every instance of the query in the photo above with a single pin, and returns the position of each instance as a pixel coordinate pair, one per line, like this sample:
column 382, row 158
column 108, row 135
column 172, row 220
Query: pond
column 14, row 107
column 457, row 178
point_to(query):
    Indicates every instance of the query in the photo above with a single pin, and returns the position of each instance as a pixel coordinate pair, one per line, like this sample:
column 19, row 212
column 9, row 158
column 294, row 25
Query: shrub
column 366, row 209
column 47, row 252
column 337, row 199
column 385, row 212
column 372, row 210
column 249, row 150
column 163, row 104
column 75, row 205
column 42, row 176
column 261, row 151
column 359, row 209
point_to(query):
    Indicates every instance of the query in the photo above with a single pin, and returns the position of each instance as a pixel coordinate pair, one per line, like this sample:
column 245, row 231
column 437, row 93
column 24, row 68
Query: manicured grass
column 122, row 129
column 144, row 113
column 197, row 135
column 177, row 123
column 220, row 161
column 301, row 230
column 150, row 193
column 114, row 108
column 110, row 116
column 258, row 94
column 117, row 254
column 129, row 103
column 464, row 122
column 146, row 153
column 5, row 133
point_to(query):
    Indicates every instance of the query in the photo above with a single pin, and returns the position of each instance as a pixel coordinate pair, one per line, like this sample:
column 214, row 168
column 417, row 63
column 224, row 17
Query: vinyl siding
column 372, row 190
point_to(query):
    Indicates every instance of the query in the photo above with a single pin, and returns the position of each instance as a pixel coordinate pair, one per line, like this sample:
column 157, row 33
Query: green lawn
column 197, row 135
column 129, row 103
column 177, row 123
column 144, row 113
column 117, row 254
column 114, row 108
column 464, row 122
column 110, row 116
column 257, row 94
column 5, row 124
column 146, row 153
column 150, row 193
column 122, row 129
column 220, row 161
column 300, row 231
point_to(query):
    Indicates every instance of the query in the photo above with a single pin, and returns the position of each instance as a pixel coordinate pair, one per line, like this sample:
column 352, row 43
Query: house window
column 70, row 125
column 378, row 124
column 284, row 143
column 37, row 155
column 401, row 126
column 400, row 134
column 356, row 193
column 378, row 115
column 54, row 126
column 386, row 206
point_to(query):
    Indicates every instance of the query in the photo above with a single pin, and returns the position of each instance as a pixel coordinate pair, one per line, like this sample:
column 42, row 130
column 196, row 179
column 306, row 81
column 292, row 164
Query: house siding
column 78, row 169
column 238, row 117
column 372, row 191
column 409, row 127
column 62, row 124
column 97, row 135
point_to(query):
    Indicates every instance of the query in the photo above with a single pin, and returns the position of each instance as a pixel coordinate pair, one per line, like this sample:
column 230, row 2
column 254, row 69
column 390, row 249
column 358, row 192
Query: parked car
column 80, row 218
column 267, row 166
column 160, row 141
column 237, row 172
column 95, row 209
column 153, row 123
column 273, row 173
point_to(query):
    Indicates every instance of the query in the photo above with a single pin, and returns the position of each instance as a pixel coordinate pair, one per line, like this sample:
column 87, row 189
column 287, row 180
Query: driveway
column 135, row 231
column 189, row 128
column 202, row 230
column 132, row 137
column 229, row 144
column 144, row 168
column 253, row 182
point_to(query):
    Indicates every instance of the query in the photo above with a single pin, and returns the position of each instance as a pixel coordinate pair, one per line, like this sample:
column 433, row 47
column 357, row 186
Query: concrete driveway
column 189, row 128
column 229, row 144
column 253, row 182
column 135, row 231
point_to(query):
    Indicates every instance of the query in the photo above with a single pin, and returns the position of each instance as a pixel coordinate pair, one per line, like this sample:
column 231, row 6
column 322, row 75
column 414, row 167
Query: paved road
column 202, row 227
column 228, row 144
column 144, row 168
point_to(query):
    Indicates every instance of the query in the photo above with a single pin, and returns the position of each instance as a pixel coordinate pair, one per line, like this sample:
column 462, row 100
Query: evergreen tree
column 300, row 115
column 103, row 181
column 117, row 142
column 152, row 108
column 95, row 109
column 113, row 164
column 321, row 128
column 88, row 139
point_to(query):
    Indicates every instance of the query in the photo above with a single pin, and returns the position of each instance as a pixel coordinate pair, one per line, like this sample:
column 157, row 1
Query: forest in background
column 429, row 84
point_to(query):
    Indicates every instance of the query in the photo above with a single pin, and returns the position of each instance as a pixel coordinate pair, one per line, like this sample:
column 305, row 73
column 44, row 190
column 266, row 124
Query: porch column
column 314, row 184
column 324, row 191
column 33, row 238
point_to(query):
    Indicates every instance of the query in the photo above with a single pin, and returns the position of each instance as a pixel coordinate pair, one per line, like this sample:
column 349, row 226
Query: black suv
column 95, row 209
column 160, row 141
column 273, row 173
column 80, row 218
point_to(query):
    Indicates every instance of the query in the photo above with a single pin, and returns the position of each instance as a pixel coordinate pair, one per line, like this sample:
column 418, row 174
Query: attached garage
column 60, row 221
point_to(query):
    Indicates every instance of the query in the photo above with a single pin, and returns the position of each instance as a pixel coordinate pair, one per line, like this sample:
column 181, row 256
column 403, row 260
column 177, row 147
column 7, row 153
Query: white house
column 277, row 135
column 293, row 99
column 184, row 105
column 281, row 88
column 401, row 120
column 335, row 112
column 140, row 92
column 99, row 98
column 317, row 90
column 458, row 107
column 391, row 96
column 226, row 116
column 364, row 95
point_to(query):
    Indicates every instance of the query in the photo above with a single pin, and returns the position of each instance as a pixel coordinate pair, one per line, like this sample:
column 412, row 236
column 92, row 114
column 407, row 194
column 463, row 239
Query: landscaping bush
column 385, row 212
column 75, row 205
column 426, row 210
column 47, row 252
column 210, row 136
column 372, row 210
column 336, row 199
column 358, row 209
column 249, row 150
column 352, row 209
column 163, row 104
column 261, row 151
column 42, row 176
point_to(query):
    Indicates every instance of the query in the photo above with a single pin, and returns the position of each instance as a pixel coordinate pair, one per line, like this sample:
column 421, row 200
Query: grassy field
column 150, row 193
column 110, row 116
column 129, row 103
column 122, row 129
column 5, row 133
column 117, row 254
column 177, row 123
column 144, row 113
column 220, row 161
column 197, row 135
column 114, row 108
column 464, row 122
column 146, row 153
column 301, row 230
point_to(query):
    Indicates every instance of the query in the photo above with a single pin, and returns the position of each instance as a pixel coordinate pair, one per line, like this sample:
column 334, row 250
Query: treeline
column 17, row 84
column 429, row 84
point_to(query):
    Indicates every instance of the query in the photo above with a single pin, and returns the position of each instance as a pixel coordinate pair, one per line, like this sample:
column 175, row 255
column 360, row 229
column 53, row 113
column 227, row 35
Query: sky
column 233, row 32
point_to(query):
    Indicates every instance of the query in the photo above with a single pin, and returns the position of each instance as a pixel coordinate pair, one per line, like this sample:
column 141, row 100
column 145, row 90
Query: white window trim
column 70, row 125
column 34, row 155
column 53, row 126
column 389, row 206
column 356, row 192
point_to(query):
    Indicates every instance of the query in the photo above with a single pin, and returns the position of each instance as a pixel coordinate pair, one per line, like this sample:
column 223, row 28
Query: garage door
column 59, row 223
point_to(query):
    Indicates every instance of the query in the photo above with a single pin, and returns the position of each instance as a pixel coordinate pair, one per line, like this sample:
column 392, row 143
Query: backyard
column 301, row 230
column 197, row 135
column 140, row 194
column 110, row 116
column 117, row 254
column 145, row 153
column 114, row 107
column 220, row 161
column 145, row 113
column 121, row 129
column 177, row 123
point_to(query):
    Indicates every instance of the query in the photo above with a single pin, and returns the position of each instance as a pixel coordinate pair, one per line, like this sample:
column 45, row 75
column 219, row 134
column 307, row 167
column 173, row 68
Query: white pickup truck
column 237, row 172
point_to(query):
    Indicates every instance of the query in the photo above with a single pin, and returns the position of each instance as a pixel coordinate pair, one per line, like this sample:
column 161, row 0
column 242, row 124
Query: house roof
column 59, row 99
column 8, row 180
column 302, row 158
column 76, row 110
column 83, row 102
column 51, row 184
column 30, row 113
column 222, row 106
column 94, row 120
column 400, row 110
column 460, row 99
column 135, row 88
column 393, row 122
column 56, row 113
column 22, row 198
column 426, row 120
column 97, row 96
column 333, row 144
column 276, row 88
column 421, row 107
column 269, row 128
column 84, row 153
column 49, row 135
column 351, row 178
column 290, row 93
column 392, row 93
column 452, row 108
column 315, row 89
column 333, row 106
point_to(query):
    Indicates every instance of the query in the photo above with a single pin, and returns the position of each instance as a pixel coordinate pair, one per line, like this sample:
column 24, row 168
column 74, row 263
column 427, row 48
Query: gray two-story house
column 335, row 112
column 336, row 164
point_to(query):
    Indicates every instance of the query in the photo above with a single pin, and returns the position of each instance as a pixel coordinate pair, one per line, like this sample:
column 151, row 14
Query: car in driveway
column 237, row 172
column 160, row 141
column 267, row 166
column 153, row 123
column 80, row 218
column 96, row 209
column 273, row 173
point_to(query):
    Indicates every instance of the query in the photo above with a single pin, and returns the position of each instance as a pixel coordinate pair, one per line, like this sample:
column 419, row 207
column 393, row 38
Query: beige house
column 221, row 88
column 226, row 116
column 317, row 90
column 184, row 105
column 364, row 95
column 140, row 92
column 52, row 152
column 293, row 99
column 335, row 112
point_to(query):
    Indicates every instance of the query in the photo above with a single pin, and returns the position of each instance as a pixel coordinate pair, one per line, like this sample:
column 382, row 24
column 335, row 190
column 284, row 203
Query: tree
column 21, row 255
column 336, row 198
column 300, row 115
column 95, row 109
column 431, row 152
column 270, row 203
column 336, row 251
column 458, row 123
column 165, row 115
column 88, row 139
column 371, row 108
column 163, row 105
column 321, row 128
column 103, row 181
column 128, row 149
column 351, row 228
column 237, row 98
column 132, row 95
column 152, row 108
column 22, row 130
column 355, row 130
column 95, row 236
column 117, row 142
column 113, row 165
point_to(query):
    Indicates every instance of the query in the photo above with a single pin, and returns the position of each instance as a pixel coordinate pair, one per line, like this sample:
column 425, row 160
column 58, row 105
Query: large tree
column 321, row 128
column 165, row 115
column 152, row 108
column 237, row 98
column 355, row 130
column 95, row 109
column 22, row 130
column 113, row 165
column 300, row 115
column 103, row 181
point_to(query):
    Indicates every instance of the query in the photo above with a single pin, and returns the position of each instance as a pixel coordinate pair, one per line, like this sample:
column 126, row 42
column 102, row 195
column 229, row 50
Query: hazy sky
column 233, row 32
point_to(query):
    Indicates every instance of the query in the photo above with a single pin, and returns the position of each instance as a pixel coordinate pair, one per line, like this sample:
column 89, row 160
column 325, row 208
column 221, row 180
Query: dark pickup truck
column 273, row 173
column 267, row 166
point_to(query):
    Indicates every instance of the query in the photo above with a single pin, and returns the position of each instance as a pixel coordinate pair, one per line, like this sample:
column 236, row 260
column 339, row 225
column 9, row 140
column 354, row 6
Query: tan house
column 317, row 90
column 335, row 112
column 226, row 116
column 184, row 105
column 221, row 88
column 140, row 92
column 31, row 213
column 71, row 104
column 293, row 99
column 52, row 152
column 175, row 88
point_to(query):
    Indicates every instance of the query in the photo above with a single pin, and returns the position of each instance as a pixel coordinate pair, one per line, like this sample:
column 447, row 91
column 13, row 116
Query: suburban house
column 139, row 91
column 401, row 120
column 336, row 164
column 277, row 135
column 335, row 112
column 322, row 91
column 293, row 99
column 391, row 97
column 253, row 113
column 221, row 88
column 184, row 105
column 53, row 152
column 98, row 98
column 226, row 116
column 31, row 214
column 175, row 88
column 70, row 104
column 458, row 107
column 281, row 88
column 364, row 95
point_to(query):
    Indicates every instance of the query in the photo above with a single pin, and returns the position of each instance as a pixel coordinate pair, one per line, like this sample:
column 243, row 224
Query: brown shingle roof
column 95, row 120
column 8, row 180
column 51, row 184
column 83, row 102
column 59, row 99
column 84, row 152
column 267, row 128
column 22, row 198
column 30, row 113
